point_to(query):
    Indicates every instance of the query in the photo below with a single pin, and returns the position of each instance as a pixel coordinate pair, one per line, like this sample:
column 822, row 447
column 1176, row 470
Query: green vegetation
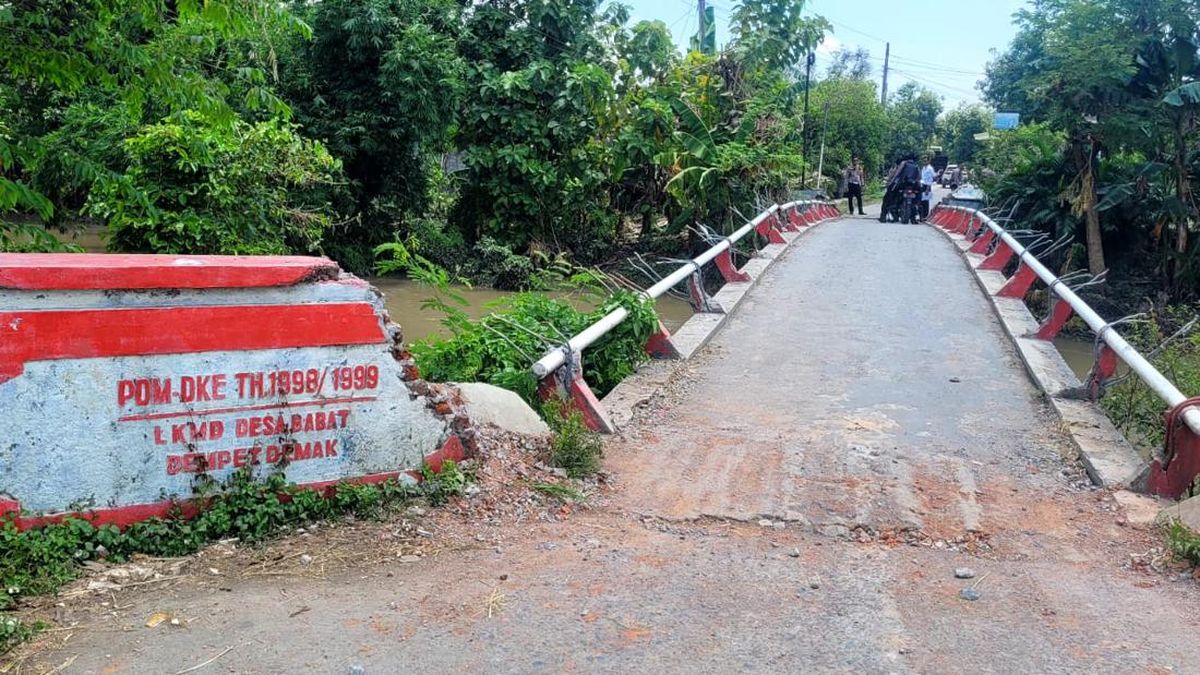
column 13, row 632
column 40, row 560
column 559, row 491
column 1105, row 158
column 1109, row 89
column 1173, row 346
column 501, row 347
column 575, row 448
column 499, row 134
column 1183, row 542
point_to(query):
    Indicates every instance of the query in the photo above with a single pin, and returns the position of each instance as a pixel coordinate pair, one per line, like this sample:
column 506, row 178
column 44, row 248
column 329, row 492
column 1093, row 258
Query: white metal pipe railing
column 1158, row 383
column 556, row 357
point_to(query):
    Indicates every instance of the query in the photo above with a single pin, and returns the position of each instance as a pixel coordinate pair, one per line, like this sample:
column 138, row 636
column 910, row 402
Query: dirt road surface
column 798, row 501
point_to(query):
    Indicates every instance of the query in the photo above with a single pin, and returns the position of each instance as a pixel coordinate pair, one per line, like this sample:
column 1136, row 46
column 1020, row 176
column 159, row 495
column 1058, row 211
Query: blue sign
column 1006, row 120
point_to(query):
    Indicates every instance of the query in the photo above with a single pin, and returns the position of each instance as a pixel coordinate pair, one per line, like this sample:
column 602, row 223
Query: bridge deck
column 865, row 394
column 866, row 385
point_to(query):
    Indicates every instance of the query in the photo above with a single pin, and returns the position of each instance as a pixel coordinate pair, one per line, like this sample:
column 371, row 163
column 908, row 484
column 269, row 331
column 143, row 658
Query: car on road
column 947, row 173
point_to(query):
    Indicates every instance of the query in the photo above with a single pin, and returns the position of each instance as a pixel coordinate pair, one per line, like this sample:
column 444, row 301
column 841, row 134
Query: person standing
column 853, row 178
column 928, row 175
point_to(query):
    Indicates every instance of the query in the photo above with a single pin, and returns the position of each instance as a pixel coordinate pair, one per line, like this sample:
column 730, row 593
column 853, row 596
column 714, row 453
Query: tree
column 912, row 121
column 1168, row 75
column 774, row 35
column 539, row 86
column 856, row 125
column 853, row 65
column 958, row 128
column 379, row 83
column 1077, row 82
column 78, row 77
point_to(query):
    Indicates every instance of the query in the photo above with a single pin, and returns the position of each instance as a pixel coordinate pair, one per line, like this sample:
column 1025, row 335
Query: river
column 404, row 298
column 1078, row 353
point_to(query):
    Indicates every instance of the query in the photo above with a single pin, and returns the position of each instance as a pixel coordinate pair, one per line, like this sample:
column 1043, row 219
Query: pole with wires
column 821, row 162
column 812, row 58
column 887, row 55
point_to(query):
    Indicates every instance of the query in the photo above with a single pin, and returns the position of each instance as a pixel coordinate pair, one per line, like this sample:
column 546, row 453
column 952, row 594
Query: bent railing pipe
column 1155, row 380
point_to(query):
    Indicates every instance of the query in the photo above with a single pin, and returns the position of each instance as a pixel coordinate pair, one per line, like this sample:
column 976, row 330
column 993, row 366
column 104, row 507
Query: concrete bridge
column 795, row 498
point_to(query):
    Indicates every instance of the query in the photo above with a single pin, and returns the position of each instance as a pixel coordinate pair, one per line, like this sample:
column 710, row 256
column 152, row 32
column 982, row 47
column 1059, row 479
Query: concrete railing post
column 999, row 258
column 567, row 385
column 1019, row 283
column 983, row 244
column 1175, row 471
column 1060, row 313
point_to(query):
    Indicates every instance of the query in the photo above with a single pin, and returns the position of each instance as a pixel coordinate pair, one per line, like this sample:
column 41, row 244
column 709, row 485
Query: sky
column 940, row 44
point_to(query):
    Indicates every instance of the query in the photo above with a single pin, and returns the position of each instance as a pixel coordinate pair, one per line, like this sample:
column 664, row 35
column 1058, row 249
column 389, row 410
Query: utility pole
column 821, row 162
column 887, row 53
column 812, row 58
column 700, row 35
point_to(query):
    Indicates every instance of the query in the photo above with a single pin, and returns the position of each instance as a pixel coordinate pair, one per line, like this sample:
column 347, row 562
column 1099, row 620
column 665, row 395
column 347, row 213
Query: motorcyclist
column 908, row 177
column 888, row 207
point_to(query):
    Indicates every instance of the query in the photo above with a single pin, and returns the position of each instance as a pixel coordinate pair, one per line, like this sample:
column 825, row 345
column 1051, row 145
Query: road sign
column 1006, row 120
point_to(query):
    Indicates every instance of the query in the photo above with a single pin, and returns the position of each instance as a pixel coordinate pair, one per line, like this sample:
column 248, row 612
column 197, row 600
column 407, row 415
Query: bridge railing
column 559, row 370
column 1171, row 474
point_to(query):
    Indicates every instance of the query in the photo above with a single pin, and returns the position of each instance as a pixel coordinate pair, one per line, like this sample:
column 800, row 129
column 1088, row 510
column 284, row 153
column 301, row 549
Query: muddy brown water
column 404, row 299
column 1078, row 354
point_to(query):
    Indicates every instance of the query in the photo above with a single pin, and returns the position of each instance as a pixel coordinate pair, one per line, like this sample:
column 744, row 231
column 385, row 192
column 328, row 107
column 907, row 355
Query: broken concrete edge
column 633, row 393
column 1107, row 456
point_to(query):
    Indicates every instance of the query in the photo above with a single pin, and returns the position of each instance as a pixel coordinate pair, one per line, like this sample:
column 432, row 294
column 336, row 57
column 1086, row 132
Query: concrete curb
column 635, row 392
column 1106, row 454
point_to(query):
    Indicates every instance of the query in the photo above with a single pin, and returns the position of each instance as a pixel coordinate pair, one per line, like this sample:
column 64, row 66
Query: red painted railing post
column 1173, row 474
column 659, row 345
column 724, row 263
column 1102, row 371
column 999, row 258
column 1019, row 283
column 567, row 384
column 1060, row 313
column 967, row 223
column 766, row 229
column 983, row 243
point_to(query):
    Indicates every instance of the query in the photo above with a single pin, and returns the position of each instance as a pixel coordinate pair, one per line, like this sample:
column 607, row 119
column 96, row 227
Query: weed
column 13, row 632
column 563, row 492
column 1183, row 542
column 451, row 481
column 575, row 448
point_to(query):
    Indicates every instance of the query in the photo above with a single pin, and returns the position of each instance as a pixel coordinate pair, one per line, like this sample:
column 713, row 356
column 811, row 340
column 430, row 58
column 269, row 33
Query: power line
column 919, row 65
column 937, row 85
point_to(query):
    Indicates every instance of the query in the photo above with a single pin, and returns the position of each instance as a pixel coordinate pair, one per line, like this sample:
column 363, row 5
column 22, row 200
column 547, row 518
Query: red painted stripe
column 91, row 271
column 246, row 408
column 76, row 334
column 123, row 516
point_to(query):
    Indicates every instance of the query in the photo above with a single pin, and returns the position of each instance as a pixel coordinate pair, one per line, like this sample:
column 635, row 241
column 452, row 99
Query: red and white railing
column 559, row 369
column 1171, row 474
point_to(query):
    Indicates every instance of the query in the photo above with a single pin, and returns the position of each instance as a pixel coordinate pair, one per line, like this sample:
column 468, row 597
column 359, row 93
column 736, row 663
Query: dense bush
column 501, row 347
column 194, row 187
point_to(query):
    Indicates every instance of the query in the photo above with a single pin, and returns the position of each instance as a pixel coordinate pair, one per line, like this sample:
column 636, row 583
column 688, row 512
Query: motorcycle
column 910, row 204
